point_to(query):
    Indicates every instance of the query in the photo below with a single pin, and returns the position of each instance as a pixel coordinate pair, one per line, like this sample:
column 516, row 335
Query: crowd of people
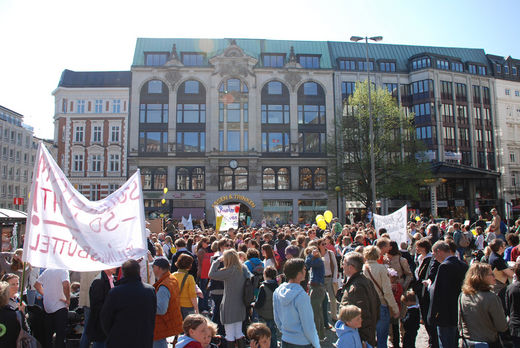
column 285, row 286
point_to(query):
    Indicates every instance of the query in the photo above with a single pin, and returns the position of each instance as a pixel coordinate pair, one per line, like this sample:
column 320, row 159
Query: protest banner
column 67, row 231
column 229, row 216
column 395, row 225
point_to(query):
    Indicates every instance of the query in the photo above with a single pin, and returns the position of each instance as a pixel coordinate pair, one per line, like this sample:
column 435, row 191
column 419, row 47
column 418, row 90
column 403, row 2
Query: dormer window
column 309, row 61
column 387, row 66
column 506, row 69
column 457, row 66
column 347, row 64
column 156, row 58
column 192, row 59
column 421, row 63
column 273, row 60
column 499, row 68
column 513, row 70
column 443, row 64
column 362, row 65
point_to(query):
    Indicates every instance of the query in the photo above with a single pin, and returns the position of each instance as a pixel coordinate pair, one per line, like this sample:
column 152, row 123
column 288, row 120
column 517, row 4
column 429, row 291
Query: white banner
column 395, row 225
column 67, row 231
column 229, row 215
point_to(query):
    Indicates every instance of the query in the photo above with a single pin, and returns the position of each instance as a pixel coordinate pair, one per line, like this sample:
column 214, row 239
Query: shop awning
column 12, row 215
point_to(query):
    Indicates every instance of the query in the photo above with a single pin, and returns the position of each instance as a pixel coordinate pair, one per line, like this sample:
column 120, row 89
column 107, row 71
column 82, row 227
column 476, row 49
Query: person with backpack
column 232, row 308
column 264, row 302
column 461, row 239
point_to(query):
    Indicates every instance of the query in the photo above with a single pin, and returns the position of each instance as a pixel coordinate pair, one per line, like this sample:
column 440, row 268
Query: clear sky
column 39, row 39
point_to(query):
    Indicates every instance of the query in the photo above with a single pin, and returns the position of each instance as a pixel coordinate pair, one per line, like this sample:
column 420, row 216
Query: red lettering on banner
column 45, row 197
column 112, row 215
column 46, row 244
column 56, row 240
column 84, row 251
column 37, row 242
column 95, row 228
column 123, row 194
column 76, row 248
column 132, row 197
column 35, row 195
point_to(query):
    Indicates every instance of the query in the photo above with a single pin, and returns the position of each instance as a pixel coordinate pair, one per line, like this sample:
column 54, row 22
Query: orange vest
column 170, row 323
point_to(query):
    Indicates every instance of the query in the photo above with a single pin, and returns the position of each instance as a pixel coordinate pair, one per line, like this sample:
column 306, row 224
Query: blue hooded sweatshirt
column 347, row 336
column 184, row 340
column 293, row 315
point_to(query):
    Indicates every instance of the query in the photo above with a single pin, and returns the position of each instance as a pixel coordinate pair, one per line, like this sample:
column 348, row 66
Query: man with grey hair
column 359, row 291
column 444, row 293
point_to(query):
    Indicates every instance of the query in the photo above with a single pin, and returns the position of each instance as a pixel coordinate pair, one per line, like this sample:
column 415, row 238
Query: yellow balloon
column 417, row 218
column 319, row 217
column 165, row 190
column 161, row 216
column 322, row 224
column 163, row 201
column 328, row 216
column 474, row 232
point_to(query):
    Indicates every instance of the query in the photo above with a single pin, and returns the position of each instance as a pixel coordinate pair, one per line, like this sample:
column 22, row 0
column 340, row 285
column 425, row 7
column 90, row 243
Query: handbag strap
column 372, row 277
column 183, row 282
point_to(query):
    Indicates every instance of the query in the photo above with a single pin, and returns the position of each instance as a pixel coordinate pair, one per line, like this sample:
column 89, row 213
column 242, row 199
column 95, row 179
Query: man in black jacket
column 360, row 291
column 180, row 245
column 444, row 293
column 128, row 315
column 97, row 294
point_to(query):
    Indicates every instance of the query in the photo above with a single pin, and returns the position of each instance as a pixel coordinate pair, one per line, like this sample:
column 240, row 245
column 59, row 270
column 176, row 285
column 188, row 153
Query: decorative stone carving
column 173, row 77
column 234, row 61
column 173, row 60
column 293, row 78
column 293, row 61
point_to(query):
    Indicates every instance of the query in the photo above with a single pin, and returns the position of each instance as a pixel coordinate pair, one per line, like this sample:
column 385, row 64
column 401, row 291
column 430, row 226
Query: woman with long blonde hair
column 480, row 310
column 232, row 307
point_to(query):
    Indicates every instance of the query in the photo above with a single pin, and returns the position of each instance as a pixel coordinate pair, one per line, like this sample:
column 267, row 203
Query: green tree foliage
column 398, row 173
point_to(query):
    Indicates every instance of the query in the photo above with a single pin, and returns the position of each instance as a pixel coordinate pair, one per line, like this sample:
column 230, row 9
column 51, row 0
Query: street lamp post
column 371, row 119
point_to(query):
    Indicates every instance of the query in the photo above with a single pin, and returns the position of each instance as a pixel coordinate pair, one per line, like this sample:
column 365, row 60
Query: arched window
column 233, row 116
column 311, row 119
column 154, row 178
column 153, row 117
column 314, row 178
column 276, row 178
column 190, row 178
column 233, row 179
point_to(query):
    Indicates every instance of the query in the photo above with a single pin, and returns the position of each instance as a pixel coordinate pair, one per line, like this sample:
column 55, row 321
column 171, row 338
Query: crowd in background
column 281, row 286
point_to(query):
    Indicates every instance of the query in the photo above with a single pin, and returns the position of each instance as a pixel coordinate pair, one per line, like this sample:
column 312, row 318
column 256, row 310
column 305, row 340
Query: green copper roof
column 401, row 53
column 328, row 50
column 213, row 47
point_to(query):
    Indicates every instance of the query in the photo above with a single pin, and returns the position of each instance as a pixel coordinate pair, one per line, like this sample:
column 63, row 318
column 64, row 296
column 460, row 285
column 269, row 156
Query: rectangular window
column 508, row 91
column 192, row 59
column 191, row 87
column 155, row 59
column 191, row 113
column 499, row 68
column 116, row 106
column 113, row 162
column 514, row 70
column 443, row 64
column 80, row 108
column 387, row 66
column 153, row 113
column 506, row 69
column 273, row 60
column 77, row 163
column 99, row 106
column 347, row 64
column 233, row 112
column 191, row 141
column 362, row 65
column 275, row 142
column 311, row 114
column 517, row 93
column 114, row 134
column 97, row 134
column 153, row 141
column 309, row 61
column 472, row 69
column 482, row 70
column 233, row 140
column 512, row 158
column 155, row 87
column 421, row 63
column 95, row 192
column 311, row 142
column 113, row 188
column 275, row 114
column 95, row 163
column 190, row 178
column 456, row 66
column 78, row 134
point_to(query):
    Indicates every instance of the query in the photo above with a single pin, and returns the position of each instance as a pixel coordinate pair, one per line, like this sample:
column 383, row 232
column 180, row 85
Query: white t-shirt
column 52, row 283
